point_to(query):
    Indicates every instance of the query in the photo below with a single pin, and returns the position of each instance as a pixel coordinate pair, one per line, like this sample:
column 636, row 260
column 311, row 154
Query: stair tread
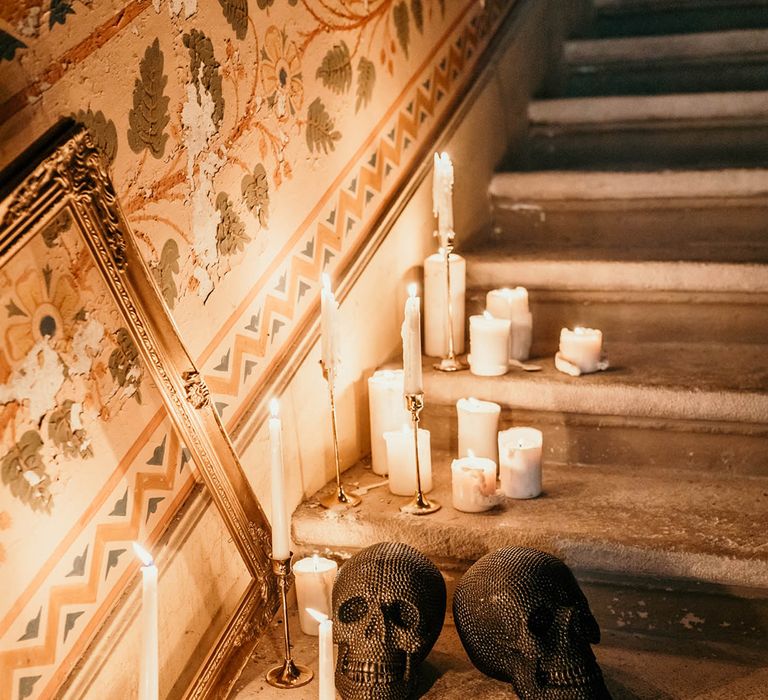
column 644, row 49
column 598, row 519
column 681, row 381
column 606, row 111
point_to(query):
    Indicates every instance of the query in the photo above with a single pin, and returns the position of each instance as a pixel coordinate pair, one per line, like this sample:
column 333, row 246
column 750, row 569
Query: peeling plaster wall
column 253, row 144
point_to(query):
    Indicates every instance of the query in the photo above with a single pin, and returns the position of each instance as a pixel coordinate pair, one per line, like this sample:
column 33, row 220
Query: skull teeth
column 373, row 671
column 567, row 676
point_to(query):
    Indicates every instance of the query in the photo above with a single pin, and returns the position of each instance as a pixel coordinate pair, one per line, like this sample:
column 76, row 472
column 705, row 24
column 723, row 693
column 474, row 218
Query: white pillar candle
column 411, row 334
column 488, row 345
column 512, row 304
column 401, row 461
column 582, row 347
column 314, row 584
column 478, row 428
column 442, row 196
column 436, row 307
column 388, row 412
column 325, row 665
column 473, row 482
column 281, row 537
column 520, row 462
column 149, row 675
column 329, row 328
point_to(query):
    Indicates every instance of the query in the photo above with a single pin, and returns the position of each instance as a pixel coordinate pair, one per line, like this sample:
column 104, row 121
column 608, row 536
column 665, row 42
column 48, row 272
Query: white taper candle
column 149, row 679
column 281, row 538
column 411, row 334
column 329, row 327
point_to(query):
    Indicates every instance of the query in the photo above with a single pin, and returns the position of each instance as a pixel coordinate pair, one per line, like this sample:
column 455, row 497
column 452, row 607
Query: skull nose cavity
column 375, row 626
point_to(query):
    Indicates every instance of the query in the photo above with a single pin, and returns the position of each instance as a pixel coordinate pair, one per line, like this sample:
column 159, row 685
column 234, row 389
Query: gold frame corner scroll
column 64, row 169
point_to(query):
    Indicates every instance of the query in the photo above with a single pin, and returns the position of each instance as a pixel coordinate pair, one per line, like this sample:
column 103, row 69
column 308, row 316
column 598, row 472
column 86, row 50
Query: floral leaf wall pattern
column 402, row 21
column 236, row 12
column 230, row 233
column 103, row 132
column 255, row 189
column 321, row 133
column 366, row 80
column 165, row 270
column 417, row 10
column 9, row 45
column 149, row 115
column 204, row 70
column 336, row 69
column 59, row 11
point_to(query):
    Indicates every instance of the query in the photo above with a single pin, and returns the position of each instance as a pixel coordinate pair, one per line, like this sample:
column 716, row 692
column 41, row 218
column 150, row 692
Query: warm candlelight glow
column 326, row 281
column 413, row 288
column 143, row 554
column 470, row 453
column 487, row 315
column 320, row 617
column 274, row 408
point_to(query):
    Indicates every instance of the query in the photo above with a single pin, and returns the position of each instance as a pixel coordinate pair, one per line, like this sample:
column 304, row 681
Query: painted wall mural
column 252, row 143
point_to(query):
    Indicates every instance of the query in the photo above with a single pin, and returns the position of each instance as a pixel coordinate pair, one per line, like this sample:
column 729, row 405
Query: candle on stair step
column 512, row 304
column 326, row 671
column 435, row 306
column 582, row 347
column 488, row 345
column 473, row 484
column 149, row 674
column 478, row 428
column 411, row 335
column 388, row 412
column 401, row 461
column 520, row 462
column 314, row 584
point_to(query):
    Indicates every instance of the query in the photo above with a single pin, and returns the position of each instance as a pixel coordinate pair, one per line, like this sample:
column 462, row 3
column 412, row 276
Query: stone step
column 700, row 407
column 707, row 130
column 652, row 17
column 669, row 556
column 710, row 215
column 675, row 63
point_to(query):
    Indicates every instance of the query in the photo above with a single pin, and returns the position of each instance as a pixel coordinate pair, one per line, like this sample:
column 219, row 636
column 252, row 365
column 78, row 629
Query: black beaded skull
column 523, row 619
column 388, row 610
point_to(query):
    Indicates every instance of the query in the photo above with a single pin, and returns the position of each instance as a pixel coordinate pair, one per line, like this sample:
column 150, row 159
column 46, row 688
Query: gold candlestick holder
column 289, row 674
column 339, row 499
column 420, row 505
column 450, row 363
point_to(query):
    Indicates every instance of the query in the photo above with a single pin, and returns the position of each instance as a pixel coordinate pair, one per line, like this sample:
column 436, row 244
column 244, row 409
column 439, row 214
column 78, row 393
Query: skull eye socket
column 401, row 614
column 353, row 610
column 540, row 621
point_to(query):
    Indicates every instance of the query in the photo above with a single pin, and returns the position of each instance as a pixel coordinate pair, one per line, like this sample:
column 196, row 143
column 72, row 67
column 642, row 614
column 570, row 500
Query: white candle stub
column 387, row 412
column 326, row 666
column 473, row 484
column 314, row 584
column 149, row 667
column 401, row 461
column 488, row 345
column 520, row 462
column 580, row 351
column 512, row 304
column 478, row 428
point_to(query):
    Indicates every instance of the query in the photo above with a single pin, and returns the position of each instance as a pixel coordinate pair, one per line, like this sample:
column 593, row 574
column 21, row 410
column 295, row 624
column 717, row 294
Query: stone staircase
column 638, row 205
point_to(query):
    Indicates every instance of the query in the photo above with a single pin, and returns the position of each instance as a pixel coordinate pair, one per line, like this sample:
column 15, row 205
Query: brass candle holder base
column 289, row 674
column 339, row 500
column 420, row 505
column 450, row 364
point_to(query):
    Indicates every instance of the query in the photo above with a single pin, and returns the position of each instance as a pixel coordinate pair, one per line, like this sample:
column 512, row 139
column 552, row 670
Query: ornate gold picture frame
column 63, row 176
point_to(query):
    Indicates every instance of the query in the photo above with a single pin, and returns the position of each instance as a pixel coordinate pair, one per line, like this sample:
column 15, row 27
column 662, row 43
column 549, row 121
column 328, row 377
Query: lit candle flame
column 315, row 561
column 274, row 408
column 487, row 314
column 143, row 554
column 320, row 617
column 413, row 288
column 471, row 454
column 326, row 282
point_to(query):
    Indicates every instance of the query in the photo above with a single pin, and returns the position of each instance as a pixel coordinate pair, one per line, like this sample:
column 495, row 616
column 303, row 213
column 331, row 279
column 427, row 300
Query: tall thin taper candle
column 327, row 684
column 149, row 667
column 442, row 196
column 329, row 329
column 281, row 538
column 411, row 334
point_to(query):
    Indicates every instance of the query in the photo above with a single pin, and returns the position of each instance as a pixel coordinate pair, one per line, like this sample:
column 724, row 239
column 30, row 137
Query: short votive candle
column 520, row 462
column 314, row 584
column 478, row 428
column 488, row 345
column 473, row 484
column 582, row 347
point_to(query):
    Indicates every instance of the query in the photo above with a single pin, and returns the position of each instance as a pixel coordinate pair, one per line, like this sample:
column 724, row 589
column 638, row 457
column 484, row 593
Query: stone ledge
column 671, row 525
